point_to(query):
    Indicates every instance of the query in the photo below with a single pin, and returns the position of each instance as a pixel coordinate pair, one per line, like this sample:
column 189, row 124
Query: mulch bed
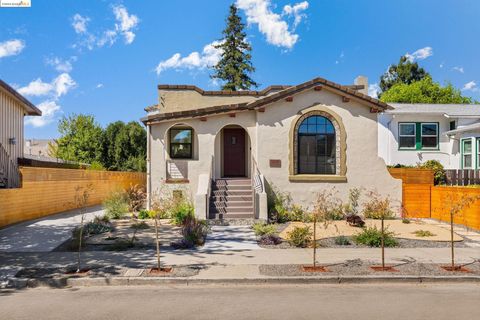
column 359, row 267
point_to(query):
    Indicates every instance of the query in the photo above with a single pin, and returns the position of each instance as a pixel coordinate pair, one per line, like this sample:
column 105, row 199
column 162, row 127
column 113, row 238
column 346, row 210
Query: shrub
column 423, row 233
column 96, row 166
column 336, row 213
column 140, row 225
column 300, row 236
column 116, row 205
column 194, row 233
column 297, row 213
column 261, row 229
column 378, row 207
column 372, row 237
column 143, row 214
column 352, row 208
column 405, row 220
column 181, row 211
column 270, row 240
column 97, row 226
column 342, row 241
column 281, row 205
column 136, row 197
column 439, row 176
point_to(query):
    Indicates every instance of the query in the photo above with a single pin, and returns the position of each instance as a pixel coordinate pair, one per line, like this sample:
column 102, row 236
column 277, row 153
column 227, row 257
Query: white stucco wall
column 448, row 153
column 269, row 134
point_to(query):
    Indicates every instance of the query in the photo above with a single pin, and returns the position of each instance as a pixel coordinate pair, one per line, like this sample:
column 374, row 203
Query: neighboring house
column 414, row 133
column 38, row 147
column 13, row 108
column 300, row 140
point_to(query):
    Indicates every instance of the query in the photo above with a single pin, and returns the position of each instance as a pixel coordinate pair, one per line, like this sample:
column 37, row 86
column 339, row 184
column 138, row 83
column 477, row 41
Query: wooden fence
column 421, row 199
column 46, row 191
column 416, row 184
column 462, row 177
column 444, row 197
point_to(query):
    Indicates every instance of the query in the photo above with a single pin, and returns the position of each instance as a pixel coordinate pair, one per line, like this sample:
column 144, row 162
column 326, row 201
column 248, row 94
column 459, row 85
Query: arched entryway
column 232, row 152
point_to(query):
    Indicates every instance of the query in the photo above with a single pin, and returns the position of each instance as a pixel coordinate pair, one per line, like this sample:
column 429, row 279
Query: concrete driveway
column 45, row 234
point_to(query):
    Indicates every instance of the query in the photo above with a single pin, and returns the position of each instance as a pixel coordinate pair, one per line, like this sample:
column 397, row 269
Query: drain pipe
column 149, row 168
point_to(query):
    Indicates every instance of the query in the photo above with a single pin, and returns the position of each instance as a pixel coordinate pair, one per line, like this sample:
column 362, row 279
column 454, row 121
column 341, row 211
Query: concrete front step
column 232, row 188
column 230, row 198
column 231, row 204
column 236, row 215
column 233, row 182
column 224, row 193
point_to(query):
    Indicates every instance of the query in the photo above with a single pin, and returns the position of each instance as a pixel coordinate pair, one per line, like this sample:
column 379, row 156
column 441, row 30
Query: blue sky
column 106, row 57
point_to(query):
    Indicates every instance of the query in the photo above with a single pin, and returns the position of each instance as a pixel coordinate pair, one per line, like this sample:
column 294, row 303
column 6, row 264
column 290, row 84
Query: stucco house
column 414, row 133
column 13, row 108
column 226, row 148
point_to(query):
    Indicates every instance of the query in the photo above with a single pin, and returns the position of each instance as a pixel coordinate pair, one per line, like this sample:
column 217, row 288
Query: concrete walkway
column 231, row 238
column 44, row 234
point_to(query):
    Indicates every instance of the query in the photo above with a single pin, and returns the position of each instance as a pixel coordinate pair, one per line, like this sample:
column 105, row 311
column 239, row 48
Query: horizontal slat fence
column 416, row 184
column 421, row 199
column 46, row 191
column 462, row 177
column 444, row 197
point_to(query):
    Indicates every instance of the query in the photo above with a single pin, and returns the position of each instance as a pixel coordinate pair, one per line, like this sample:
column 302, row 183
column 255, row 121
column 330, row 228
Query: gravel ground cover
column 359, row 267
column 402, row 243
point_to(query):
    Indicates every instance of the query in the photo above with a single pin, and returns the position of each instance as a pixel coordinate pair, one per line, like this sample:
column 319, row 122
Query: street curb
column 62, row 282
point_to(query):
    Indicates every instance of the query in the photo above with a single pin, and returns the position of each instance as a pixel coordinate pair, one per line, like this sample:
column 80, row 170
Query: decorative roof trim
column 259, row 103
column 32, row 110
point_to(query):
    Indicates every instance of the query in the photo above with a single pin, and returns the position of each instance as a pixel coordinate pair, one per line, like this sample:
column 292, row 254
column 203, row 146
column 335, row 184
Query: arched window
column 181, row 143
column 316, row 146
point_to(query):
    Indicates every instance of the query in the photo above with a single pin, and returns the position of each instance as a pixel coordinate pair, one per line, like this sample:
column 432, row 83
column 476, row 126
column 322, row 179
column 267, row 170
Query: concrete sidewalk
column 44, row 234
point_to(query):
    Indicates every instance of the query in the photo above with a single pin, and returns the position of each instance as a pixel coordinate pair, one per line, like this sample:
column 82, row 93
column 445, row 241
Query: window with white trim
column 407, row 135
column 478, row 153
column 429, row 135
column 467, row 154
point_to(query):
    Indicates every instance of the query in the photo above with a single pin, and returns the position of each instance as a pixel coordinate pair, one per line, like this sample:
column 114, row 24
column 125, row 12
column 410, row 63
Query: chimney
column 362, row 81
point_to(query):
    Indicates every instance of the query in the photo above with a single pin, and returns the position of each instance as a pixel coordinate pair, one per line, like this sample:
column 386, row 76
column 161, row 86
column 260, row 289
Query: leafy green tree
column 405, row 72
column 235, row 64
column 80, row 139
column 424, row 91
column 125, row 146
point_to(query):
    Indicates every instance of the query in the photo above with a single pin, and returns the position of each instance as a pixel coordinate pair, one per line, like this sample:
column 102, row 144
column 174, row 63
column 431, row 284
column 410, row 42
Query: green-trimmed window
column 467, row 153
column 418, row 135
column 478, row 153
column 181, row 146
column 429, row 134
column 407, row 135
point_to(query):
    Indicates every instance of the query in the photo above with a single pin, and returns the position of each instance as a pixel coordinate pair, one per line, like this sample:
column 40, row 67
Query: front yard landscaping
column 339, row 234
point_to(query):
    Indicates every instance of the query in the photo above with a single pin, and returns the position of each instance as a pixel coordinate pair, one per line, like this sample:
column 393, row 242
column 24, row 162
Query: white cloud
column 470, row 86
column 36, row 88
column 61, row 65
column 296, row 11
column 11, row 47
column 459, row 69
column 195, row 60
column 58, row 87
column 269, row 23
column 49, row 110
column 98, row 86
column 441, row 65
column 125, row 24
column 79, row 23
column 420, row 54
column 373, row 90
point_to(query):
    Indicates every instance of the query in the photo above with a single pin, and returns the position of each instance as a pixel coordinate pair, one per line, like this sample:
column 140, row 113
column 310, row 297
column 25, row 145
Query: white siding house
column 414, row 133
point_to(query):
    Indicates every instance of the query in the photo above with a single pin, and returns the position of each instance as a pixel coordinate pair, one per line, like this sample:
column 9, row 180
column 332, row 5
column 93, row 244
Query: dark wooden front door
column 234, row 152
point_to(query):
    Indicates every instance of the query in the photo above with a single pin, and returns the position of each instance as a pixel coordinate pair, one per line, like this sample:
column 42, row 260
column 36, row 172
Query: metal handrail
column 9, row 168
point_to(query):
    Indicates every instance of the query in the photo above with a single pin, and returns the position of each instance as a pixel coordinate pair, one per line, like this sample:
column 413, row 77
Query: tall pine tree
column 235, row 66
